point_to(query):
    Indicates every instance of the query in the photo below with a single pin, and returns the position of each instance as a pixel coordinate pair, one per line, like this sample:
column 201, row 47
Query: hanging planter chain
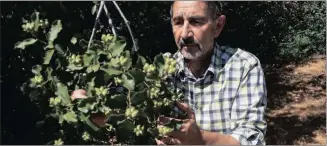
column 103, row 6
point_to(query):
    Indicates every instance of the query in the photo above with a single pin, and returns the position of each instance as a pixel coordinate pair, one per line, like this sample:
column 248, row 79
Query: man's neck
column 199, row 66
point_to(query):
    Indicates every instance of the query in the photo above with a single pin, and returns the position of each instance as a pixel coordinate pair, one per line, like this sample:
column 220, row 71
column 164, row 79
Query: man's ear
column 220, row 23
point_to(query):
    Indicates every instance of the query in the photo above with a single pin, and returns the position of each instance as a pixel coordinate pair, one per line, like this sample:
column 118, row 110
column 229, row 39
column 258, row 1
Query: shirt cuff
column 248, row 137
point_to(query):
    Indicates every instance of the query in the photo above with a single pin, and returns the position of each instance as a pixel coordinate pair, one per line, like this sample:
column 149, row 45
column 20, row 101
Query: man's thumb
column 185, row 107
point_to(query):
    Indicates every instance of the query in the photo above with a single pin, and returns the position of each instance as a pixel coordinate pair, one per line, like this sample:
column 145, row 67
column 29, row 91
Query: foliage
column 82, row 84
column 308, row 35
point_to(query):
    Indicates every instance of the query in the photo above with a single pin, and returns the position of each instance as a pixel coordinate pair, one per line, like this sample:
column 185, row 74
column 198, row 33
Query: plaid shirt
column 230, row 98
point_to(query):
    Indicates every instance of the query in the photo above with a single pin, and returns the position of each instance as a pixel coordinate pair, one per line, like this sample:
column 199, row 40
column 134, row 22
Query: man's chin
column 189, row 56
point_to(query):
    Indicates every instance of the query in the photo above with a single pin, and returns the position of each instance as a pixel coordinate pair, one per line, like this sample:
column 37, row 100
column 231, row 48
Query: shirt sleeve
column 248, row 125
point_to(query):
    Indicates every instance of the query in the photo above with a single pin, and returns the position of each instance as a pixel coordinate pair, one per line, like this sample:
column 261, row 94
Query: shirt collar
column 215, row 62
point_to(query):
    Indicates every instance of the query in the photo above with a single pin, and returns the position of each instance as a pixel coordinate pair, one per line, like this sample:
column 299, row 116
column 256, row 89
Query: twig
column 110, row 20
column 146, row 84
column 127, row 24
column 129, row 97
column 109, row 85
column 95, row 23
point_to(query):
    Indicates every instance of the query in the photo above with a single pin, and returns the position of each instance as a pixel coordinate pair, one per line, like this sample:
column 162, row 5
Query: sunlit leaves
column 56, row 27
column 117, row 47
column 128, row 81
column 48, row 56
column 23, row 44
column 62, row 92
column 139, row 97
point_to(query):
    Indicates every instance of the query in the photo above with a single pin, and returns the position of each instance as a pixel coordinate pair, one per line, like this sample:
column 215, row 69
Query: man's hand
column 99, row 118
column 189, row 133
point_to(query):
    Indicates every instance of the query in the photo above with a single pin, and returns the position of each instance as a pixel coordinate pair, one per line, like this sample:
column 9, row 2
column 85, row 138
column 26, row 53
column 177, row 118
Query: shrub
column 85, row 84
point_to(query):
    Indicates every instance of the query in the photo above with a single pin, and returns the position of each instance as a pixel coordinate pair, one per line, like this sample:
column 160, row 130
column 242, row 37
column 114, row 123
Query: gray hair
column 214, row 8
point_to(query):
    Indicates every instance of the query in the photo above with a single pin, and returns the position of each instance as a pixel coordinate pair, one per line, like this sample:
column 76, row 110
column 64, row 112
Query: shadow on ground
column 296, row 106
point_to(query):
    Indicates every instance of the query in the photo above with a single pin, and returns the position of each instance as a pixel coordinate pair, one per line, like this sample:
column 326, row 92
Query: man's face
column 194, row 29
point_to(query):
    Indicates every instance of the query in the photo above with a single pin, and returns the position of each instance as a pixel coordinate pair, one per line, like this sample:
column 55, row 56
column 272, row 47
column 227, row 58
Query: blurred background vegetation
column 276, row 32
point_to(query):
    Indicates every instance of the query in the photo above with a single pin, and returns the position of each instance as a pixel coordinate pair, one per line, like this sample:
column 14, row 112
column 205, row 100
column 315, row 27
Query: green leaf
column 36, row 21
column 116, row 118
column 48, row 56
column 96, row 67
column 49, row 72
column 111, row 70
column 94, row 9
column 90, row 87
column 61, row 119
column 87, row 59
column 151, row 78
column 128, row 81
column 89, row 69
column 93, row 68
column 139, row 97
column 83, row 109
column 70, row 117
column 59, row 50
column 128, row 64
column 140, row 62
column 138, row 75
column 114, row 62
column 23, row 44
column 159, row 62
column 56, row 27
column 126, row 125
column 72, row 67
column 117, row 101
column 36, row 69
column 117, row 47
column 73, row 40
column 86, row 120
column 62, row 92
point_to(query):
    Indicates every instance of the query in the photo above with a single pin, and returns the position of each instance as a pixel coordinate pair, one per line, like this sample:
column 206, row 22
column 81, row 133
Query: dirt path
column 297, row 104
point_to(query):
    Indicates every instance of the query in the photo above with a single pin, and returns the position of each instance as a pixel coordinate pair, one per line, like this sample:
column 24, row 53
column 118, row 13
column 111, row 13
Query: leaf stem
column 109, row 84
column 127, row 24
column 146, row 84
column 42, row 41
column 129, row 97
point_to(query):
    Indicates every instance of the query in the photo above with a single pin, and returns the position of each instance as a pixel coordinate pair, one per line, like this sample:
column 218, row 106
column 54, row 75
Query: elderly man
column 224, row 87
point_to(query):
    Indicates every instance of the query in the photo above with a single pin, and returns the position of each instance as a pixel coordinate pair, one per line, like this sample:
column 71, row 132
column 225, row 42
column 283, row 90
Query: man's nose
column 186, row 32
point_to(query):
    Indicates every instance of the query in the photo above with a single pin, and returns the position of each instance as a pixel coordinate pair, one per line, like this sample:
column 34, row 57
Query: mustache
column 188, row 41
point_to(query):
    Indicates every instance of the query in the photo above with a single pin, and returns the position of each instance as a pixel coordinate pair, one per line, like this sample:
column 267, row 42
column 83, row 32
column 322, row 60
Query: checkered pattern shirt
column 230, row 98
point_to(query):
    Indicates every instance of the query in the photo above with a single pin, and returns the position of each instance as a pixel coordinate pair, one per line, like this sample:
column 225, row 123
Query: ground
column 297, row 103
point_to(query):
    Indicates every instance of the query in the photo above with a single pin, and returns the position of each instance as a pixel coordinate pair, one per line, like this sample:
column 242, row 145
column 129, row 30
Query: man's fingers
column 171, row 141
column 164, row 120
column 177, row 134
column 159, row 142
column 186, row 108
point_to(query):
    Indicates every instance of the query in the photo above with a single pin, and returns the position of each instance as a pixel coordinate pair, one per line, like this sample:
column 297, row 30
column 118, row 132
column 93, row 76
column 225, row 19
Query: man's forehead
column 189, row 8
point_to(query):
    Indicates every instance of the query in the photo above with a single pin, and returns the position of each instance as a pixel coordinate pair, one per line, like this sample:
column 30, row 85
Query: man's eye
column 196, row 22
column 177, row 22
